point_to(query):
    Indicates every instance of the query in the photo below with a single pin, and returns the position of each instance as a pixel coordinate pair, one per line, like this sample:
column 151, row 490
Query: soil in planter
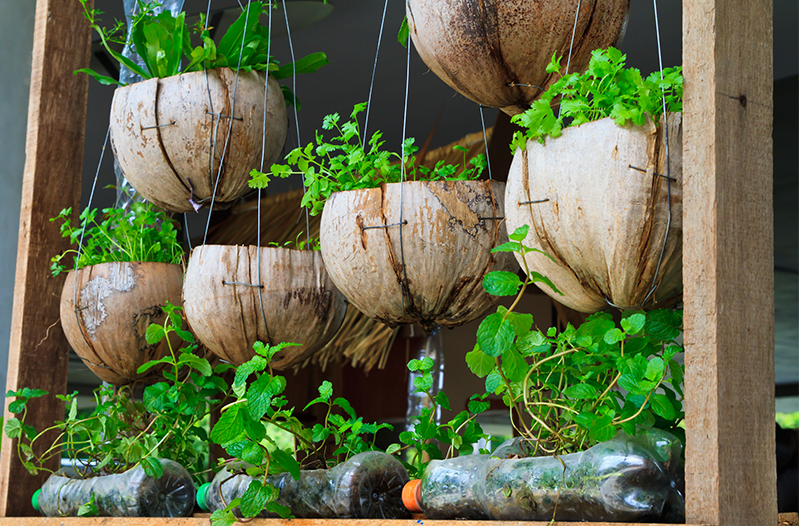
column 368, row 486
column 625, row 479
column 129, row 494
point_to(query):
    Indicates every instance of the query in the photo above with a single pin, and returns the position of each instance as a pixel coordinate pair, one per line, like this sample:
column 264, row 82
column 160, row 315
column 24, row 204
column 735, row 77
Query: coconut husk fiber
column 163, row 132
column 602, row 212
column 361, row 341
column 495, row 52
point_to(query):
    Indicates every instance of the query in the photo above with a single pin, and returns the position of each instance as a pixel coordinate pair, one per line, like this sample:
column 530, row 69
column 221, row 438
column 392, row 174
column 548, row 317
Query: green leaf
column 154, row 333
column 493, row 382
column 531, row 343
column 393, row 448
column 102, row 79
column 257, row 497
column 581, row 392
column 308, row 64
column 326, row 390
column 501, row 283
column 602, row 429
column 663, row 324
column 230, row 425
column 443, row 401
column 510, row 246
column 495, row 334
column 479, row 362
column 404, row 33
column 89, row 509
column 537, row 277
column 522, row 323
column 634, row 323
column 152, row 467
column 662, row 406
column 13, row 428
column 478, row 406
column 655, row 369
column 519, row 234
column 287, row 462
column 614, row 336
column 513, row 365
column 197, row 363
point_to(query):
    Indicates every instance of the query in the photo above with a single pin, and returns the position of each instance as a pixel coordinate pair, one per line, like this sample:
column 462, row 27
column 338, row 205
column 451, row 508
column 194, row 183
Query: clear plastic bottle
column 129, row 494
column 626, row 479
column 367, row 486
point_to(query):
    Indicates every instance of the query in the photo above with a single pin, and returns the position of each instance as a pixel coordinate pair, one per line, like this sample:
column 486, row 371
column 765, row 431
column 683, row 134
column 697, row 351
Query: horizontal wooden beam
column 205, row 521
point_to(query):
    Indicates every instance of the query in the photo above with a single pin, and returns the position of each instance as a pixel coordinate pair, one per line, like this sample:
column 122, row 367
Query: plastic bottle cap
column 201, row 496
column 35, row 499
column 411, row 496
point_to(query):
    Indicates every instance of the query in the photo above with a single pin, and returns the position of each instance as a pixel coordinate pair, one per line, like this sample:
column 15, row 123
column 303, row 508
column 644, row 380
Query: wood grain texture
column 205, row 521
column 728, row 262
column 54, row 158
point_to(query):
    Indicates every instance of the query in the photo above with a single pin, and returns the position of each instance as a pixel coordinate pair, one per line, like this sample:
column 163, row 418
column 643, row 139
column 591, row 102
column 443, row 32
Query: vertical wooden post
column 728, row 262
column 51, row 182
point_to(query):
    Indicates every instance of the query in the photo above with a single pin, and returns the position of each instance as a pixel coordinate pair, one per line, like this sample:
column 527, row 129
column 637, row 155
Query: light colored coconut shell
column 116, row 302
column 480, row 48
column 160, row 161
column 446, row 247
column 300, row 302
column 604, row 222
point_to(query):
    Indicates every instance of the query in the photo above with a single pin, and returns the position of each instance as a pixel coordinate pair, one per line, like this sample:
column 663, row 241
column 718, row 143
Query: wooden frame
column 728, row 266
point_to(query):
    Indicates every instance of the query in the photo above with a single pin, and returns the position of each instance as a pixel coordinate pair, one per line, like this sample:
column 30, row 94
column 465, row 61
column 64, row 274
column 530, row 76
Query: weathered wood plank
column 51, row 182
column 728, row 262
column 204, row 521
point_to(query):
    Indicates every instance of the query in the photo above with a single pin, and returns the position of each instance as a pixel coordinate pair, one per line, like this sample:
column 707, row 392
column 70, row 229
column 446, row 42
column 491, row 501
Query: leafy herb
column 299, row 243
column 164, row 43
column 146, row 233
column 606, row 89
column 345, row 163
column 260, row 402
column 122, row 432
column 564, row 391
column 459, row 435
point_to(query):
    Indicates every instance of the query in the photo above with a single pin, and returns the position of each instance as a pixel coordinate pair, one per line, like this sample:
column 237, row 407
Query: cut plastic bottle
column 129, row 494
column 626, row 479
column 367, row 486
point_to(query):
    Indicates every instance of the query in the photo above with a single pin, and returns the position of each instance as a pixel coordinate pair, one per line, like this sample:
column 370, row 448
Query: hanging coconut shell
column 224, row 310
column 605, row 214
column 445, row 246
column 116, row 302
column 163, row 133
column 495, row 52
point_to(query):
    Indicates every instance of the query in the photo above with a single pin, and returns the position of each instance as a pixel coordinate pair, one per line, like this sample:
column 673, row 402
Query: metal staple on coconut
column 596, row 200
column 495, row 52
column 361, row 341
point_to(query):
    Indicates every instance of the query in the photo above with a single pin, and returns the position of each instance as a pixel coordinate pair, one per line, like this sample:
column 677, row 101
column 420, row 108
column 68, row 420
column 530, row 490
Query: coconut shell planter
column 445, row 246
column 597, row 201
column 486, row 50
column 106, row 320
column 223, row 308
column 164, row 130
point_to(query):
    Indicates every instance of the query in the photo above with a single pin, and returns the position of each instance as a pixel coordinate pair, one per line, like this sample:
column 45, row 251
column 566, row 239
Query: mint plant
column 147, row 233
column 164, row 44
column 606, row 89
column 241, row 430
column 345, row 162
column 568, row 391
column 121, row 432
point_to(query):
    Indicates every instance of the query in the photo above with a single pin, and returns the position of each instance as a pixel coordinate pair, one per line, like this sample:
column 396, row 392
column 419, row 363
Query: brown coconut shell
column 603, row 222
column 162, row 132
column 300, row 302
column 446, row 247
column 116, row 302
column 483, row 50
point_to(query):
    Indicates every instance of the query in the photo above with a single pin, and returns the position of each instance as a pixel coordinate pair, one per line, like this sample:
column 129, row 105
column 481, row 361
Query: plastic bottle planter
column 115, row 304
column 485, row 50
column 598, row 215
column 163, row 132
column 446, row 248
column 223, row 308
column 129, row 494
column 368, row 486
column 626, row 479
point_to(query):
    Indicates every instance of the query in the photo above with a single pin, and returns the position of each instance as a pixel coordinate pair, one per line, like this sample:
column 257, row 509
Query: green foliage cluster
column 427, row 437
column 146, row 233
column 606, row 89
column 260, row 401
column 567, row 391
column 121, row 431
column 344, row 162
column 164, row 43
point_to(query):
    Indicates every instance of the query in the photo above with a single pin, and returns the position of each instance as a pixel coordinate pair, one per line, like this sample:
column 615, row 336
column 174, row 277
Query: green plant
column 121, row 432
column 147, row 233
column 459, row 435
column 164, row 43
column 606, row 89
column 564, row 390
column 345, row 162
column 299, row 243
column 260, row 402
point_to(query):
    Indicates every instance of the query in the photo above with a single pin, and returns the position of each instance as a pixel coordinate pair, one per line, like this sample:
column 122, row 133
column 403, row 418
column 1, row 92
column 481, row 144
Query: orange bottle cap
column 412, row 497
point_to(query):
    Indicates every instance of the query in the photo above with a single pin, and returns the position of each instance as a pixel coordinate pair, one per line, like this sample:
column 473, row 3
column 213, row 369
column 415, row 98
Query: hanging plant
column 197, row 125
column 127, row 269
column 495, row 52
column 450, row 222
column 592, row 182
